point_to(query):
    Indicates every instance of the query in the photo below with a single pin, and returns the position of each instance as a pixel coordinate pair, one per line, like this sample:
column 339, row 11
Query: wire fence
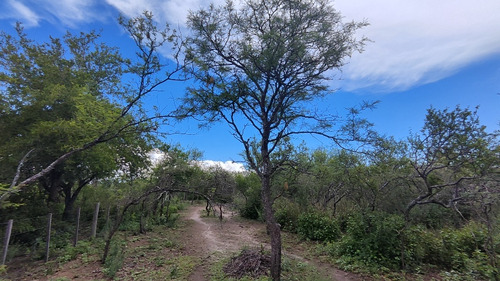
column 40, row 229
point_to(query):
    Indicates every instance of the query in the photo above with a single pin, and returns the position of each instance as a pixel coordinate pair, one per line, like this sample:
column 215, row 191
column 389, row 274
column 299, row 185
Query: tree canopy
column 63, row 98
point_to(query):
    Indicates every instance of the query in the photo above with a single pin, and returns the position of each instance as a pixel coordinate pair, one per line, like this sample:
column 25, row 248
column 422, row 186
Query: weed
column 114, row 262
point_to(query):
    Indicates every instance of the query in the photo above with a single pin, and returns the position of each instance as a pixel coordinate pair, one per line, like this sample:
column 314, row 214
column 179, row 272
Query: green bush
column 450, row 249
column 316, row 226
column 252, row 209
column 373, row 239
column 287, row 215
column 423, row 246
column 249, row 187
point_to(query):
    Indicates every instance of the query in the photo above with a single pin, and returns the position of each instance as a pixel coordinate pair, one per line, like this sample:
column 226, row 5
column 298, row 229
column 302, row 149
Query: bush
column 287, row 215
column 423, row 246
column 453, row 250
column 252, row 209
column 316, row 226
column 373, row 239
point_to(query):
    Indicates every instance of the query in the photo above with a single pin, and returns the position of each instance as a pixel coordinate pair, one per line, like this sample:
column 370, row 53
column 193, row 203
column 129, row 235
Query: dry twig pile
column 252, row 263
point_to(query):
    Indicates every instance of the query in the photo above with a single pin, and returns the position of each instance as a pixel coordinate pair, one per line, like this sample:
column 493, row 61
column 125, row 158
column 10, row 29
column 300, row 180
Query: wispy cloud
column 419, row 41
column 414, row 41
column 17, row 10
column 132, row 8
column 73, row 12
column 66, row 13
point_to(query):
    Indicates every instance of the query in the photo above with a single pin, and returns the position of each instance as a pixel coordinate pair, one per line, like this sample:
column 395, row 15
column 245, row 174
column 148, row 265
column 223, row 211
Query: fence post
column 77, row 226
column 94, row 221
column 6, row 240
column 47, row 246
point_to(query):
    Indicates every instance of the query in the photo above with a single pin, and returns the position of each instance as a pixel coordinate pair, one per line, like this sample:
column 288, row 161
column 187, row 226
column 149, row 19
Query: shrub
column 252, row 209
column 423, row 246
column 316, row 226
column 114, row 262
column 374, row 239
column 454, row 250
column 287, row 215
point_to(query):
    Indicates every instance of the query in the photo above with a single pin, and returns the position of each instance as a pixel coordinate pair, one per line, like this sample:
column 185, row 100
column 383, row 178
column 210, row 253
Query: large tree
column 64, row 98
column 259, row 66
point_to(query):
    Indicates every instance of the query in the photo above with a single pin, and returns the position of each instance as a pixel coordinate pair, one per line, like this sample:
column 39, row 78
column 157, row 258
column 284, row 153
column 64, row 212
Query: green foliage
column 373, row 239
column 317, row 226
column 380, row 242
column 454, row 250
column 250, row 187
column 252, row 209
column 114, row 261
column 451, row 157
column 66, row 96
column 287, row 214
column 87, row 247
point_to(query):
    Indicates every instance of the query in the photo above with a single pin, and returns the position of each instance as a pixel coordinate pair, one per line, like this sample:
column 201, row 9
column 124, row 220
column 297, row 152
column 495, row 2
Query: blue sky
column 423, row 53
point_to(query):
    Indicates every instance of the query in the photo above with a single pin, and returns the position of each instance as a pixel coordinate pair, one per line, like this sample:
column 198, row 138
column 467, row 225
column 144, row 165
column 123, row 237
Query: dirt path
column 208, row 238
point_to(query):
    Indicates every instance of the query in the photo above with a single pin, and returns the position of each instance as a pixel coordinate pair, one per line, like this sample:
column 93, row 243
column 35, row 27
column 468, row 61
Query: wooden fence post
column 94, row 221
column 6, row 240
column 77, row 226
column 47, row 246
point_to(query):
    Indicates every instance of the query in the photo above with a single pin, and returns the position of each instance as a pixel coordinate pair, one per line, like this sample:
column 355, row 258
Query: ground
column 190, row 251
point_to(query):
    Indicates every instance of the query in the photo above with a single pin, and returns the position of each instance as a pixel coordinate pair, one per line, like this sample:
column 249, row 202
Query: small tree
column 452, row 157
column 259, row 67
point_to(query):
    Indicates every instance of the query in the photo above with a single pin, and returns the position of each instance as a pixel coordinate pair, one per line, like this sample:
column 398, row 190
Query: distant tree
column 325, row 178
column 452, row 158
column 381, row 179
column 259, row 66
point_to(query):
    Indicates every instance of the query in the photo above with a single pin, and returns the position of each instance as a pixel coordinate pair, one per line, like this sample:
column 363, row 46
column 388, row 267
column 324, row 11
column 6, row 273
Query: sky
column 421, row 53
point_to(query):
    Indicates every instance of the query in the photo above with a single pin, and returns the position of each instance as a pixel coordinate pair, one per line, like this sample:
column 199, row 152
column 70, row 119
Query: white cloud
column 132, row 8
column 156, row 156
column 230, row 166
column 414, row 41
column 72, row 12
column 174, row 12
column 18, row 10
column 69, row 13
column 419, row 41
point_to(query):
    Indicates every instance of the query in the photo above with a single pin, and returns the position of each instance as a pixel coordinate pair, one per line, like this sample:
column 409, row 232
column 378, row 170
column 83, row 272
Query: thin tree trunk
column 273, row 228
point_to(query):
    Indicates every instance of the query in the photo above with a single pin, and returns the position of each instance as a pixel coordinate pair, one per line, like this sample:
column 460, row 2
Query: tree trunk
column 273, row 228
column 70, row 197
column 69, row 204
